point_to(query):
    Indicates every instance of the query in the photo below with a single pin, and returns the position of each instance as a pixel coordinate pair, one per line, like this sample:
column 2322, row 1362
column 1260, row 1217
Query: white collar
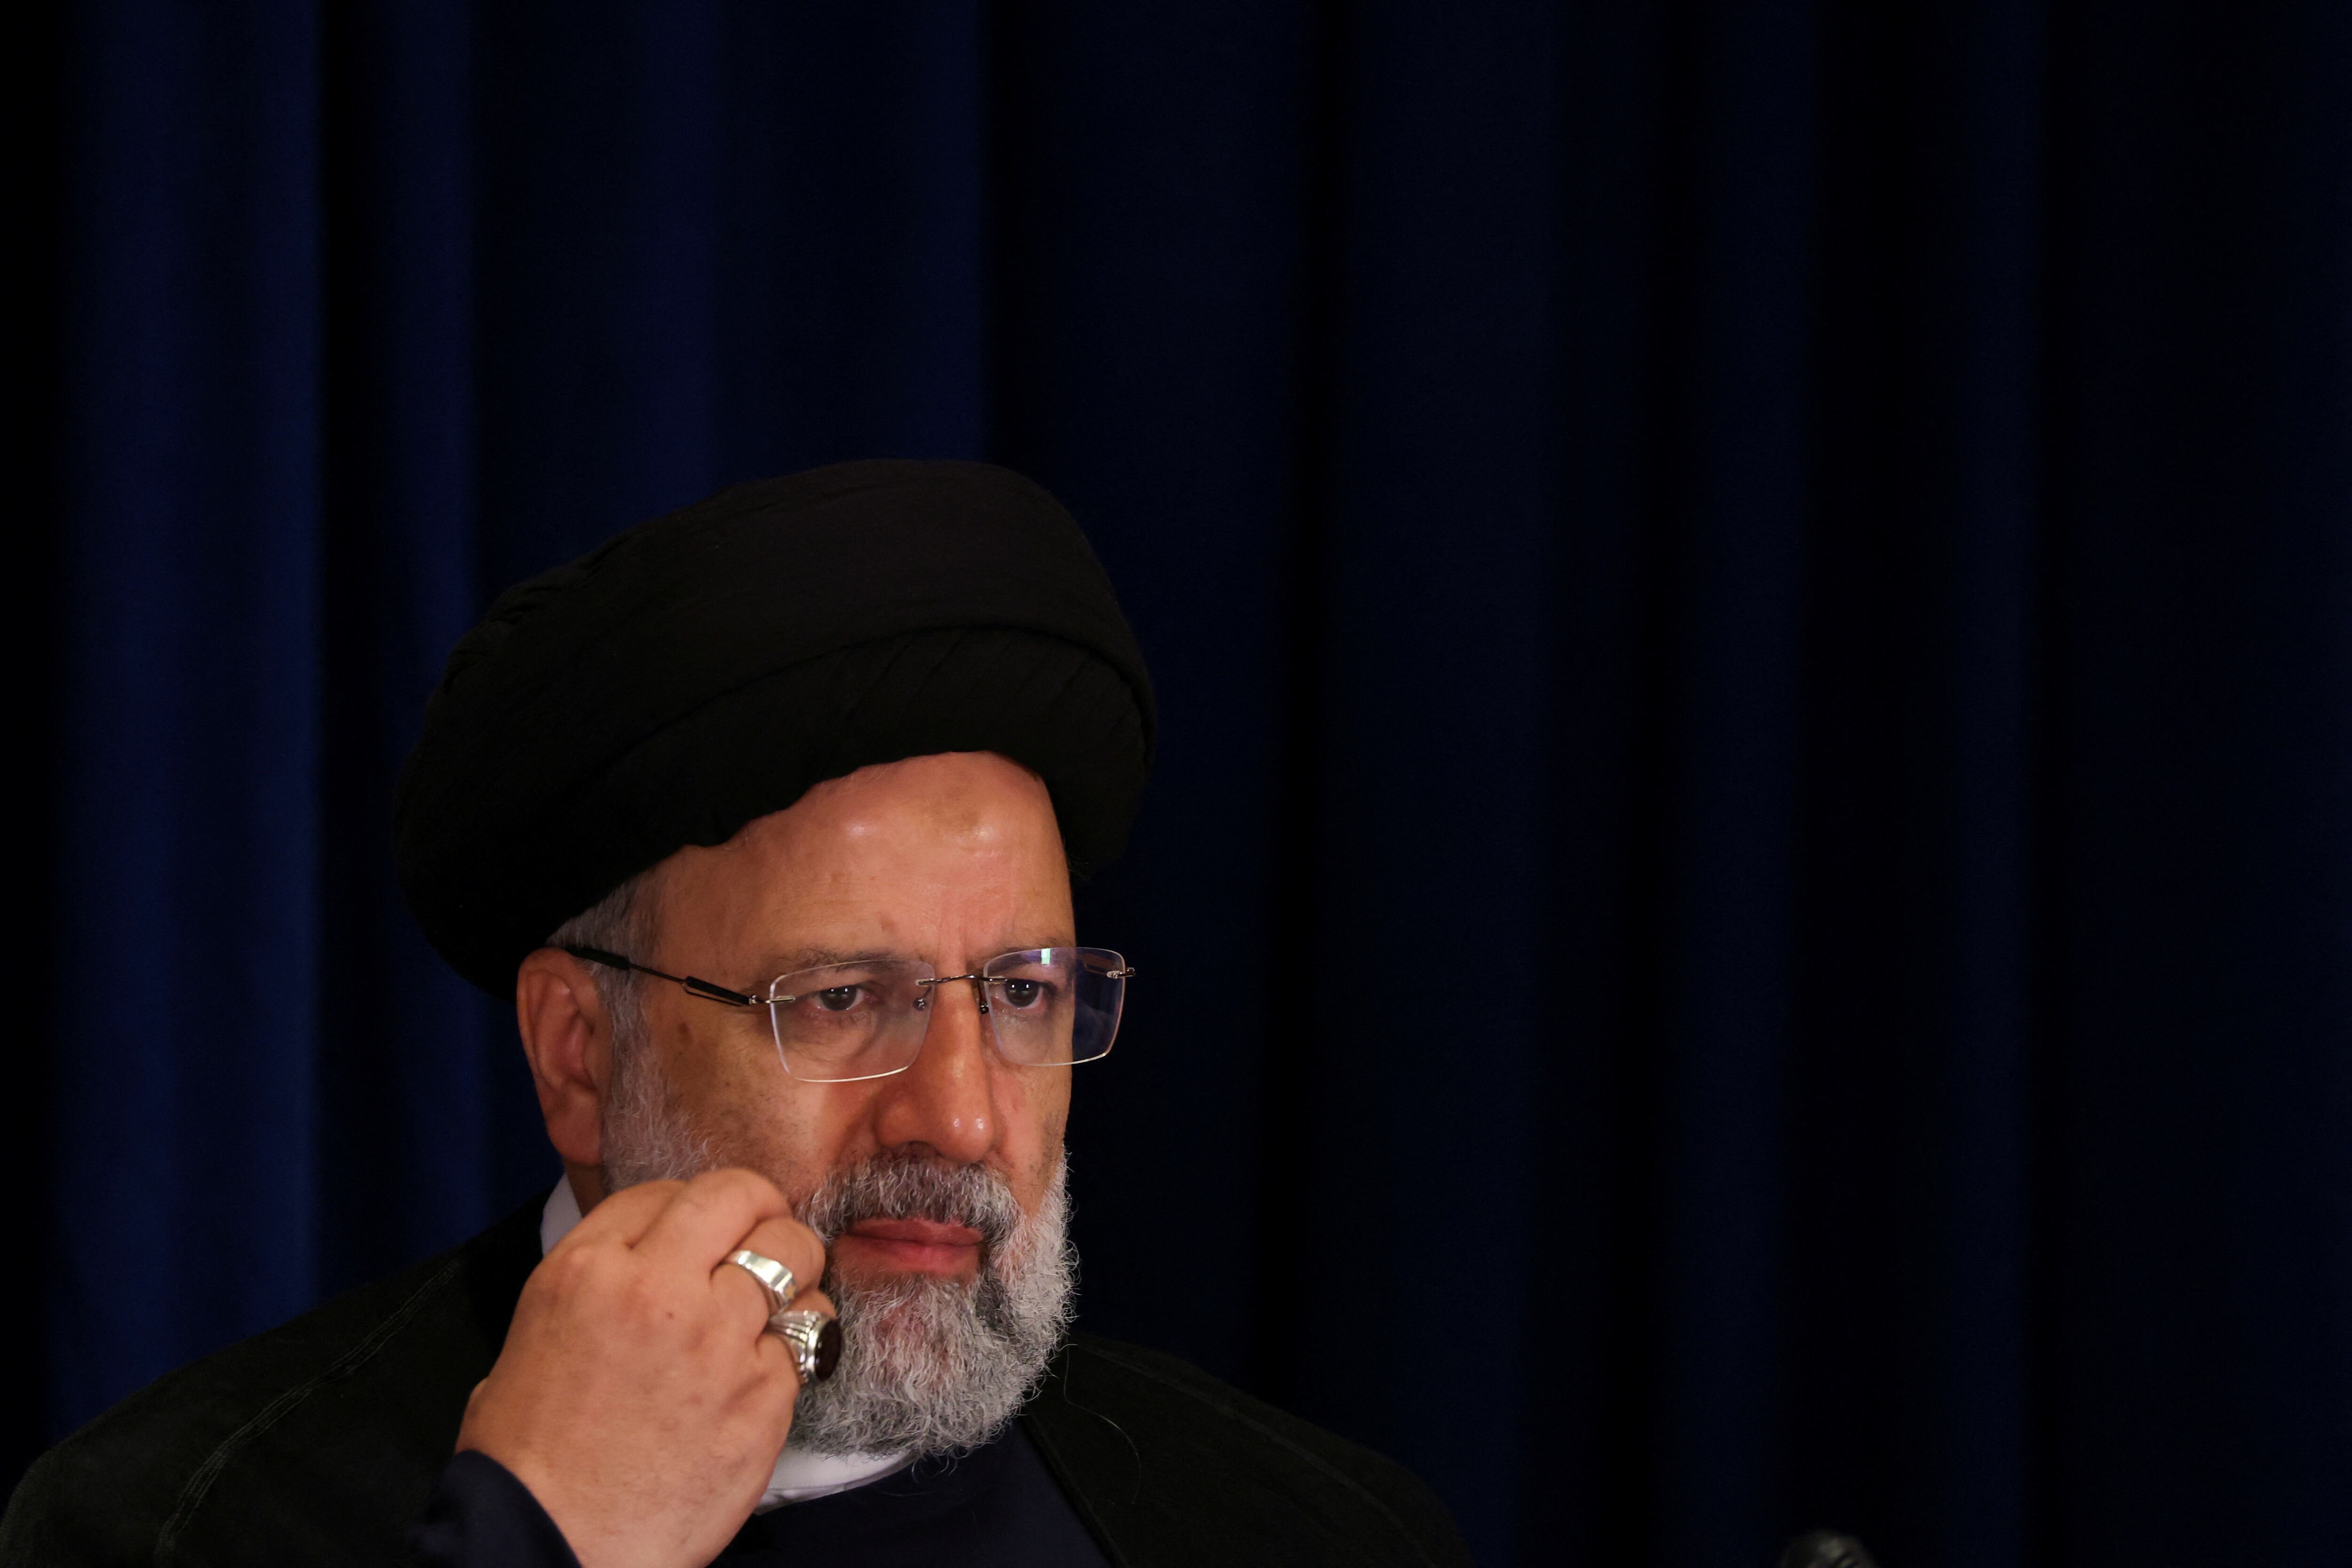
column 800, row 1475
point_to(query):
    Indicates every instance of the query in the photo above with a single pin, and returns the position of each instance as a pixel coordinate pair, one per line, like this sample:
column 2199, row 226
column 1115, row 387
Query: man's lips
column 922, row 1232
column 919, row 1244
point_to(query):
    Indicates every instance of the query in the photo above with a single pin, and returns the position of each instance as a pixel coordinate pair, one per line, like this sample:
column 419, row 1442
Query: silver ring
column 772, row 1276
column 814, row 1341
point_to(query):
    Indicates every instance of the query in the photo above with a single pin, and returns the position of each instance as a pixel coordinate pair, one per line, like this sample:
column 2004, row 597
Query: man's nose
column 945, row 1101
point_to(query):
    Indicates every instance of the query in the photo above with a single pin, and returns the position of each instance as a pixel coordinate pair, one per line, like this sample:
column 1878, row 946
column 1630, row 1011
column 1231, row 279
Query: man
column 764, row 814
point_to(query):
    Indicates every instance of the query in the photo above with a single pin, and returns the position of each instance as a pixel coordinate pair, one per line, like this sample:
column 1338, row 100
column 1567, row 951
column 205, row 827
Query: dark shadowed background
column 1745, row 907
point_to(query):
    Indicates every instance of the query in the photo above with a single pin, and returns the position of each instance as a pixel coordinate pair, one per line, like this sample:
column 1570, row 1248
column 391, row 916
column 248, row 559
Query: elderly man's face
column 951, row 859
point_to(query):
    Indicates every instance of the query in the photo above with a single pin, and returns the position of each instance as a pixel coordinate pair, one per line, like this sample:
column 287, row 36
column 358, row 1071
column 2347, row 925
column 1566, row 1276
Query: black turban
column 707, row 667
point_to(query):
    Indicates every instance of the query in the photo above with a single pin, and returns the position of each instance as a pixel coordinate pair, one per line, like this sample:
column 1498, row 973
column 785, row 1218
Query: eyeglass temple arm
column 698, row 986
column 694, row 985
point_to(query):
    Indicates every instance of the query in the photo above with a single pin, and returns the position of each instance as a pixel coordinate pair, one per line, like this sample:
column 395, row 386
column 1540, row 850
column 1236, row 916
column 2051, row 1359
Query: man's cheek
column 1036, row 1115
column 777, row 1135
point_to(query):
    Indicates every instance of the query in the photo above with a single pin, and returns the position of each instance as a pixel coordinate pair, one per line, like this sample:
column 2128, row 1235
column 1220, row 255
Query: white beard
column 929, row 1366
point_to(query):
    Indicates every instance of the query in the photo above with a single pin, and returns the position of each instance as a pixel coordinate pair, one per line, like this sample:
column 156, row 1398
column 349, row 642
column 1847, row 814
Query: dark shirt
column 997, row 1506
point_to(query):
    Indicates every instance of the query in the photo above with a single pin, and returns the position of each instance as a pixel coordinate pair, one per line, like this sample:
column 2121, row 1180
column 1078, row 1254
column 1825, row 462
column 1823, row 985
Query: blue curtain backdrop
column 1753, row 602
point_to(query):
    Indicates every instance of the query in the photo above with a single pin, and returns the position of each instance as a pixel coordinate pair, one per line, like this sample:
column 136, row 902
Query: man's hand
column 639, row 1396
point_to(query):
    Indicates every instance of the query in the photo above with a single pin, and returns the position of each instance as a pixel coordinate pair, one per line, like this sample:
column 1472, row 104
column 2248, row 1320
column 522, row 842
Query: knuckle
column 567, row 1273
column 651, row 1196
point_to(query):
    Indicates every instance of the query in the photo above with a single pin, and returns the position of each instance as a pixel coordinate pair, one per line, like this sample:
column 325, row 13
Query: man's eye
column 839, row 999
column 1023, row 993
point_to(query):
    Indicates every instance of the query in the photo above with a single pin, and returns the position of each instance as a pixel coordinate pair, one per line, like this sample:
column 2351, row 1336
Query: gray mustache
column 895, row 1186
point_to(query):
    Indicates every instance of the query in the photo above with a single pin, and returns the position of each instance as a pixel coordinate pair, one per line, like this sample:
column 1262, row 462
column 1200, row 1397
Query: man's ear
column 567, row 1037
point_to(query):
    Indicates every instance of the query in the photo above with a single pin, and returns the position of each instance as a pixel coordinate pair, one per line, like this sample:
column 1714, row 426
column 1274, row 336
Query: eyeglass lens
column 1046, row 1006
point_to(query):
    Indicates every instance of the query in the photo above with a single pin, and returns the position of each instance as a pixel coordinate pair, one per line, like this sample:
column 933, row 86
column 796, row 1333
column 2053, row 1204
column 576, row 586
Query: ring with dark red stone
column 814, row 1341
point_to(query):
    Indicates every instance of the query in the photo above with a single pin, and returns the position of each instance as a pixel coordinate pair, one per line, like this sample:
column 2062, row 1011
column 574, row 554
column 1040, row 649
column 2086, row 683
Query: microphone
column 1825, row 1549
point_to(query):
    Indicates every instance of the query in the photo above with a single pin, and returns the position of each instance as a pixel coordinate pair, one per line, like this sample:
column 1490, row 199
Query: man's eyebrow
column 779, row 964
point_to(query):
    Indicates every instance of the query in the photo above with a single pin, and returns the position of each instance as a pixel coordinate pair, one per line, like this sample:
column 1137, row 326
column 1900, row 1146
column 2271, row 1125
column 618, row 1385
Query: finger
column 625, row 1216
column 788, row 1242
column 770, row 1343
column 784, row 1370
column 709, row 1218
column 791, row 1244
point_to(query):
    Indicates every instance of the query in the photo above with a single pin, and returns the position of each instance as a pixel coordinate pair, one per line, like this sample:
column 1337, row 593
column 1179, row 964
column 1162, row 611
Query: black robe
column 322, row 1441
